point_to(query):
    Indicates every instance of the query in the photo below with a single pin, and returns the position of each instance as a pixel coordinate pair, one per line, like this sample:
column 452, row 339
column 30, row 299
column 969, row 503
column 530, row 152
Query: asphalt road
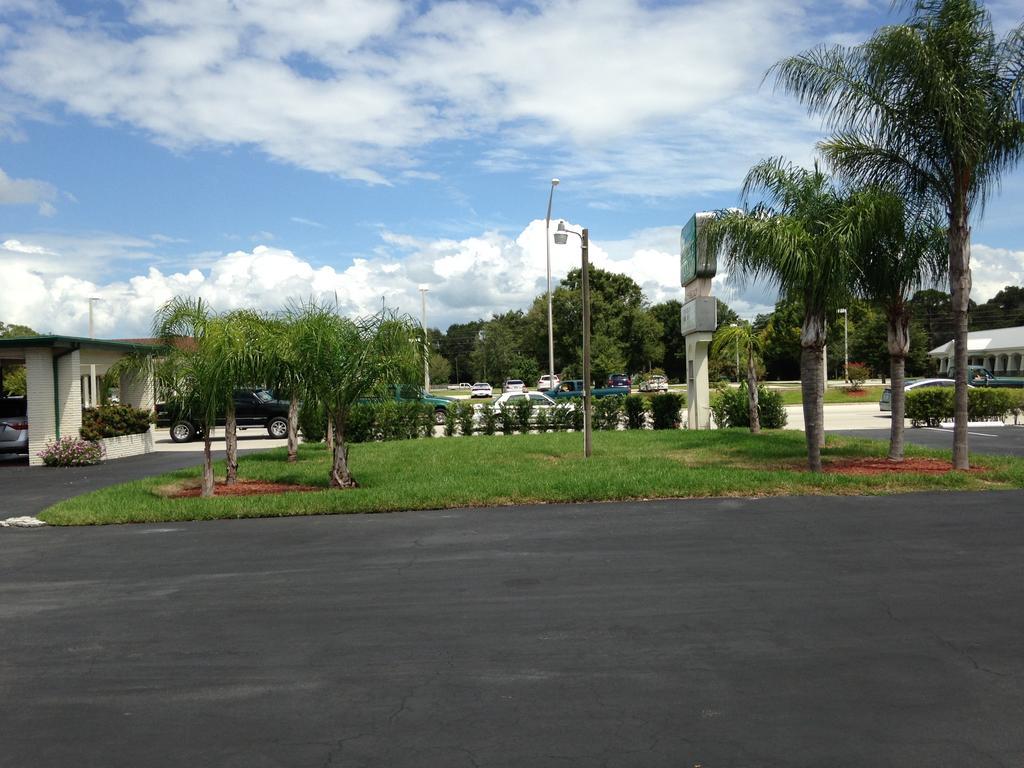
column 1004, row 441
column 773, row 632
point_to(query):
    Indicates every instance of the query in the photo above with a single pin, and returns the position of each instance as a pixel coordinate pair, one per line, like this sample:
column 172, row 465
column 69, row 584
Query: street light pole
column 846, row 344
column 734, row 325
column 426, row 348
column 561, row 237
column 547, row 252
column 91, row 301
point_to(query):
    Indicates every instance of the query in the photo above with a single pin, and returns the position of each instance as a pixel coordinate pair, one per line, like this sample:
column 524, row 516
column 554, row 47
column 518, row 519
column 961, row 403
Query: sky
column 272, row 151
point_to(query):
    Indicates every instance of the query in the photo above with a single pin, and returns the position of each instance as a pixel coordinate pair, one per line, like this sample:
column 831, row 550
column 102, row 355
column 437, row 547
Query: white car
column 654, row 383
column 537, row 399
column 13, row 425
column 547, row 382
column 885, row 404
column 514, row 385
column 481, row 389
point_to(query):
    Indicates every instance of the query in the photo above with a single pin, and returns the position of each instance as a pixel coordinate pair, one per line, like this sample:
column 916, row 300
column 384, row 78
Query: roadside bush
column 731, row 409
column 506, row 419
column 387, row 420
column 1016, row 403
column 464, row 413
column 857, row 373
column 666, row 408
column 930, row 406
column 450, row 422
column 608, row 412
column 636, row 411
column 114, row 421
column 542, row 419
column 489, row 418
column 312, row 421
column 521, row 412
column 575, row 413
column 71, row 452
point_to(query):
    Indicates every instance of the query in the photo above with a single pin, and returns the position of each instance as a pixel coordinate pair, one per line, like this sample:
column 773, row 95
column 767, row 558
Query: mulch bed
column 242, row 488
column 883, row 466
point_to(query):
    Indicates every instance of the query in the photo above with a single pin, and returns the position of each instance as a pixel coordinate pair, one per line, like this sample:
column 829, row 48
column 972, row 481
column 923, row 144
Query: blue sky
column 277, row 150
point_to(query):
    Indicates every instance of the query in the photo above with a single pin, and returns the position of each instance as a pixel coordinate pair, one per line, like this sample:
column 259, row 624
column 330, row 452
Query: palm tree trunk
column 329, row 435
column 207, row 486
column 293, row 429
column 752, row 404
column 899, row 345
column 812, row 343
column 341, row 477
column 960, row 289
column 231, row 444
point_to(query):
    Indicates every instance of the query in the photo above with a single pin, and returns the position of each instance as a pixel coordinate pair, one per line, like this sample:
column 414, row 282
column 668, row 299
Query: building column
column 137, row 390
column 54, row 398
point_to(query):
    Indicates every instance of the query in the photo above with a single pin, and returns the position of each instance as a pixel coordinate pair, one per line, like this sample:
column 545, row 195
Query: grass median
column 529, row 469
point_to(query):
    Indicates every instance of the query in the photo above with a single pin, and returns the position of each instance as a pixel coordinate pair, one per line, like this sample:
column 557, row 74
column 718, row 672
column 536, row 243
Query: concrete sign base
column 698, row 389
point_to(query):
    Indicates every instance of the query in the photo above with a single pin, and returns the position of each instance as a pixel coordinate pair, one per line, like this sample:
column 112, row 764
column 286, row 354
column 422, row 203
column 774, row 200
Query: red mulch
column 882, row 466
column 856, row 392
column 244, row 488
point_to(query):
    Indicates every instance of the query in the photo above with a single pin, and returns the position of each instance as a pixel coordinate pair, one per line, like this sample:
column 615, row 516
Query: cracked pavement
column 726, row 632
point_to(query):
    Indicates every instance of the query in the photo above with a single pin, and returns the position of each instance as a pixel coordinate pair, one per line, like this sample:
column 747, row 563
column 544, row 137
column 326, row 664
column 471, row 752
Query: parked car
column 547, row 382
column 574, row 388
column 13, row 425
column 462, row 385
column 537, row 399
column 513, row 385
column 980, row 376
column 482, row 389
column 620, row 380
column 253, row 408
column 885, row 404
column 655, row 383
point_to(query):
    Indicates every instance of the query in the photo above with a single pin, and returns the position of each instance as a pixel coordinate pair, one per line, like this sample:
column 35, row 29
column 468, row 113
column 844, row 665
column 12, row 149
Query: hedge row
column 931, row 406
column 401, row 421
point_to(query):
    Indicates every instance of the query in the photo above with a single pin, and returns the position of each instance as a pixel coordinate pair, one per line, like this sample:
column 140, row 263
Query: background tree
column 13, row 379
column 788, row 239
column 933, row 110
column 673, row 343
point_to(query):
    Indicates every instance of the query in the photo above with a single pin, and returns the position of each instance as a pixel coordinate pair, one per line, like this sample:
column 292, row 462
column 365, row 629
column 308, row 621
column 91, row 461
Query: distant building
column 1001, row 350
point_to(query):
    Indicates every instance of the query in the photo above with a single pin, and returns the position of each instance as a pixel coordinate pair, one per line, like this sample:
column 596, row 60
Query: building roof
column 76, row 342
column 994, row 340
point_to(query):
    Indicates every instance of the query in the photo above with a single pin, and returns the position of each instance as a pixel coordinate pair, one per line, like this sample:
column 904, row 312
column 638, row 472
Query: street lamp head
column 842, row 311
column 561, row 234
column 554, row 182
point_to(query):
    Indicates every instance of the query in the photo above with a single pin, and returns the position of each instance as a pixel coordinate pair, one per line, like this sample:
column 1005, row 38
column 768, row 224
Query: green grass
column 525, row 469
column 835, row 395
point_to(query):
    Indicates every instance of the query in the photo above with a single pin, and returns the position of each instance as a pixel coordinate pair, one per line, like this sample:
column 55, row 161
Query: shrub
column 574, row 413
column 1016, row 403
column 731, row 409
column 985, row 404
column 857, row 373
column 71, row 452
column 521, row 412
column 542, row 419
column 464, row 414
column 506, row 419
column 608, row 412
column 388, row 420
column 114, row 421
column 312, row 421
column 489, row 417
column 666, row 408
column 636, row 411
column 450, row 422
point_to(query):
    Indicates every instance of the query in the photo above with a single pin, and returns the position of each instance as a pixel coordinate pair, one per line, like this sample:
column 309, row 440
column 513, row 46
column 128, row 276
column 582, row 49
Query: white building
column 1001, row 350
column 62, row 377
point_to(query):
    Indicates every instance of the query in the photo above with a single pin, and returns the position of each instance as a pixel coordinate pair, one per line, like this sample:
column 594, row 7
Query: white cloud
column 646, row 98
column 992, row 269
column 28, row 192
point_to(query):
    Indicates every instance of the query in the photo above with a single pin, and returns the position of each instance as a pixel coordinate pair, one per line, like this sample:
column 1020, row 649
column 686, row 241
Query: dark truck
column 574, row 388
column 978, row 376
column 409, row 394
column 253, row 408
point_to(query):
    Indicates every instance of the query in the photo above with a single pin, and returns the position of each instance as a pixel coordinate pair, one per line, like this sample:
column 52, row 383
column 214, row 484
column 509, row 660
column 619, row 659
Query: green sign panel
column 694, row 259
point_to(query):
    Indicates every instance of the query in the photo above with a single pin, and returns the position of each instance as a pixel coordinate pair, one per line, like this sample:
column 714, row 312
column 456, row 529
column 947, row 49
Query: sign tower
column 699, row 317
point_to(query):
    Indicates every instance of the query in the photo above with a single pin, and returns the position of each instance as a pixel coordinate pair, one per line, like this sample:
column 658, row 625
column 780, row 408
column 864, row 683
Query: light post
column 734, row 325
column 426, row 349
column 561, row 238
column 547, row 252
column 91, row 301
column 846, row 344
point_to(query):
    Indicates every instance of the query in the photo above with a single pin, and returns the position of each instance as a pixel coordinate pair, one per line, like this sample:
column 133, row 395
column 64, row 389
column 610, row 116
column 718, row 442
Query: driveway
column 772, row 632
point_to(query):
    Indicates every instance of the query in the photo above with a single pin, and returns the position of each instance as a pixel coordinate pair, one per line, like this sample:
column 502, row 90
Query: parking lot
column 726, row 632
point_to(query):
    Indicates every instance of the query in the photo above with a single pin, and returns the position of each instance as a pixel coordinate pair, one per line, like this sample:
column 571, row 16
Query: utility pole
column 588, row 434
column 426, row 347
column 547, row 252
column 846, row 344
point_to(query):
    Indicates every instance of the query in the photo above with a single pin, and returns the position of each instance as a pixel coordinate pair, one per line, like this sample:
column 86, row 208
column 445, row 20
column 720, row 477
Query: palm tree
column 896, row 252
column 238, row 341
column 933, row 110
column 282, row 373
column 787, row 239
column 342, row 361
column 742, row 335
column 188, row 372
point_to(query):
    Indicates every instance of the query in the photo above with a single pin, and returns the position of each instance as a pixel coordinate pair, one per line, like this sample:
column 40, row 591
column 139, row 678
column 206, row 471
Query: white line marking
column 949, row 432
